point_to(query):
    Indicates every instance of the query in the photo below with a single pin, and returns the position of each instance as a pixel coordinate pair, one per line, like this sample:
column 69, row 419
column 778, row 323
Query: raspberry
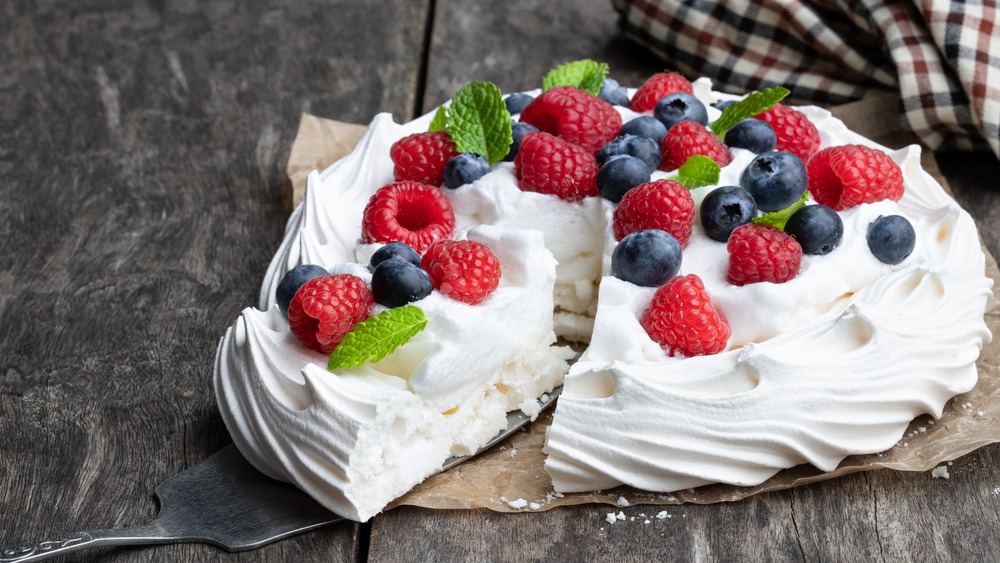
column 421, row 157
column 849, row 175
column 687, row 139
column 656, row 87
column 660, row 204
column 328, row 307
column 550, row 165
column 411, row 212
column 795, row 133
column 682, row 319
column 574, row 115
column 463, row 270
column 759, row 253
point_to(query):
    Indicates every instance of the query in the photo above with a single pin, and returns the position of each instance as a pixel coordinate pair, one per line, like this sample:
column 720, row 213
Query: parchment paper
column 510, row 478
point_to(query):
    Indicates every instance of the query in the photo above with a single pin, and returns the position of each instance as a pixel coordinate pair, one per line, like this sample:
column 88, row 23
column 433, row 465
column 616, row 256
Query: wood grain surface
column 141, row 155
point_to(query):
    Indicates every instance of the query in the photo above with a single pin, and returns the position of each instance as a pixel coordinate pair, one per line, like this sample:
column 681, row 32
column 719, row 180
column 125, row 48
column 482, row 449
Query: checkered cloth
column 942, row 56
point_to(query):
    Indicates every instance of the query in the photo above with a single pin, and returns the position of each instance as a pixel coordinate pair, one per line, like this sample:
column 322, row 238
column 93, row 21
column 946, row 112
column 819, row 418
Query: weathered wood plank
column 142, row 150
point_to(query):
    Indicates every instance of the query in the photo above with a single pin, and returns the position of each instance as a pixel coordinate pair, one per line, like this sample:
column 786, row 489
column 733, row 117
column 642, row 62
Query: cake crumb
column 517, row 504
column 663, row 514
column 611, row 518
column 534, row 505
column 621, row 515
column 622, row 501
column 940, row 472
column 996, row 491
column 513, row 452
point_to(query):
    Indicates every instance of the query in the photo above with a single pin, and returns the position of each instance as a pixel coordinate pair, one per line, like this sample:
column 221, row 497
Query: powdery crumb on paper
column 534, row 505
column 516, row 504
column 622, row 501
column 940, row 472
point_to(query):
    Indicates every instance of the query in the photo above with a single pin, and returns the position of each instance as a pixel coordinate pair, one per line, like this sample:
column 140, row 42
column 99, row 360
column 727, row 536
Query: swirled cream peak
column 835, row 362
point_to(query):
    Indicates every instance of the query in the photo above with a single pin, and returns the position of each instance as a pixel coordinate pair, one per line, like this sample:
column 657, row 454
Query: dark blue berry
column 397, row 282
column 395, row 249
column 775, row 180
column 723, row 104
column 293, row 280
column 643, row 148
column 891, row 238
column 517, row 102
column 647, row 258
column 724, row 209
column 465, row 168
column 753, row 135
column 613, row 93
column 619, row 175
column 817, row 228
column 680, row 106
column 645, row 126
column 518, row 131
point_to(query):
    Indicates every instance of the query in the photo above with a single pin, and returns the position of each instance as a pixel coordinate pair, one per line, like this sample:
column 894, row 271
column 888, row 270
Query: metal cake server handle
column 226, row 502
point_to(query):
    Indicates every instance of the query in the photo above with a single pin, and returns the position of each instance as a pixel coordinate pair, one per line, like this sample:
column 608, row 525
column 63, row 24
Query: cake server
column 226, row 502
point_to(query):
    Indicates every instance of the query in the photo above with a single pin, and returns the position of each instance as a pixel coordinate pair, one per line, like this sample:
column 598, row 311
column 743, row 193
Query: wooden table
column 142, row 149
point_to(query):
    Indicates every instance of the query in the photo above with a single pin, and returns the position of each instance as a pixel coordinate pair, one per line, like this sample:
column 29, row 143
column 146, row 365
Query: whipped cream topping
column 835, row 362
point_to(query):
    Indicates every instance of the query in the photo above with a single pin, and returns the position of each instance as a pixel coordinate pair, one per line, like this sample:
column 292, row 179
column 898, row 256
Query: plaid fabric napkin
column 942, row 56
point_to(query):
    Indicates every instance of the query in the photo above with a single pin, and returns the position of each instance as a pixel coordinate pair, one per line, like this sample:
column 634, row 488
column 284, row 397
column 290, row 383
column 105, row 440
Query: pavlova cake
column 759, row 287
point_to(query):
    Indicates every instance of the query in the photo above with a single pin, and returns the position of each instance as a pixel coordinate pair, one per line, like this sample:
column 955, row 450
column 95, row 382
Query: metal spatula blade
column 223, row 501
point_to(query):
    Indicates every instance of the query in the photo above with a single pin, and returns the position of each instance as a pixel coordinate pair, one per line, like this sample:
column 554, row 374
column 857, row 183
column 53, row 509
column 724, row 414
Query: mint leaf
column 750, row 106
column 440, row 121
column 478, row 121
column 376, row 337
column 780, row 217
column 585, row 74
column 697, row 171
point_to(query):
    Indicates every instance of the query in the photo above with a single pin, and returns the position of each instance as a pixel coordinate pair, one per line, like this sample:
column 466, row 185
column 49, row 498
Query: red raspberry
column 687, row 139
column 759, row 253
column 411, row 212
column 660, row 204
column 574, row 115
column 421, row 157
column 550, row 165
column 328, row 307
column 657, row 86
column 682, row 319
column 845, row 176
column 463, row 270
column 796, row 134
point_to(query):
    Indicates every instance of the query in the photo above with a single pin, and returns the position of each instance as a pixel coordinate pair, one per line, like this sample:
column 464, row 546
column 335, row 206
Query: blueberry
column 395, row 249
column 753, row 135
column 517, row 102
column 817, row 228
column 619, row 175
column 643, row 148
column 613, row 93
column 775, row 180
column 397, row 282
column 645, row 126
column 293, row 280
column 723, row 104
column 680, row 106
column 518, row 131
column 891, row 238
column 647, row 258
column 464, row 169
column 724, row 209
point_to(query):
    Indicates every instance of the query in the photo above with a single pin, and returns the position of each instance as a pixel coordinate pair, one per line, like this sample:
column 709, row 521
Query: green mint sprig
column 585, row 74
column 477, row 121
column 780, row 217
column 753, row 104
column 378, row 336
column 697, row 171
